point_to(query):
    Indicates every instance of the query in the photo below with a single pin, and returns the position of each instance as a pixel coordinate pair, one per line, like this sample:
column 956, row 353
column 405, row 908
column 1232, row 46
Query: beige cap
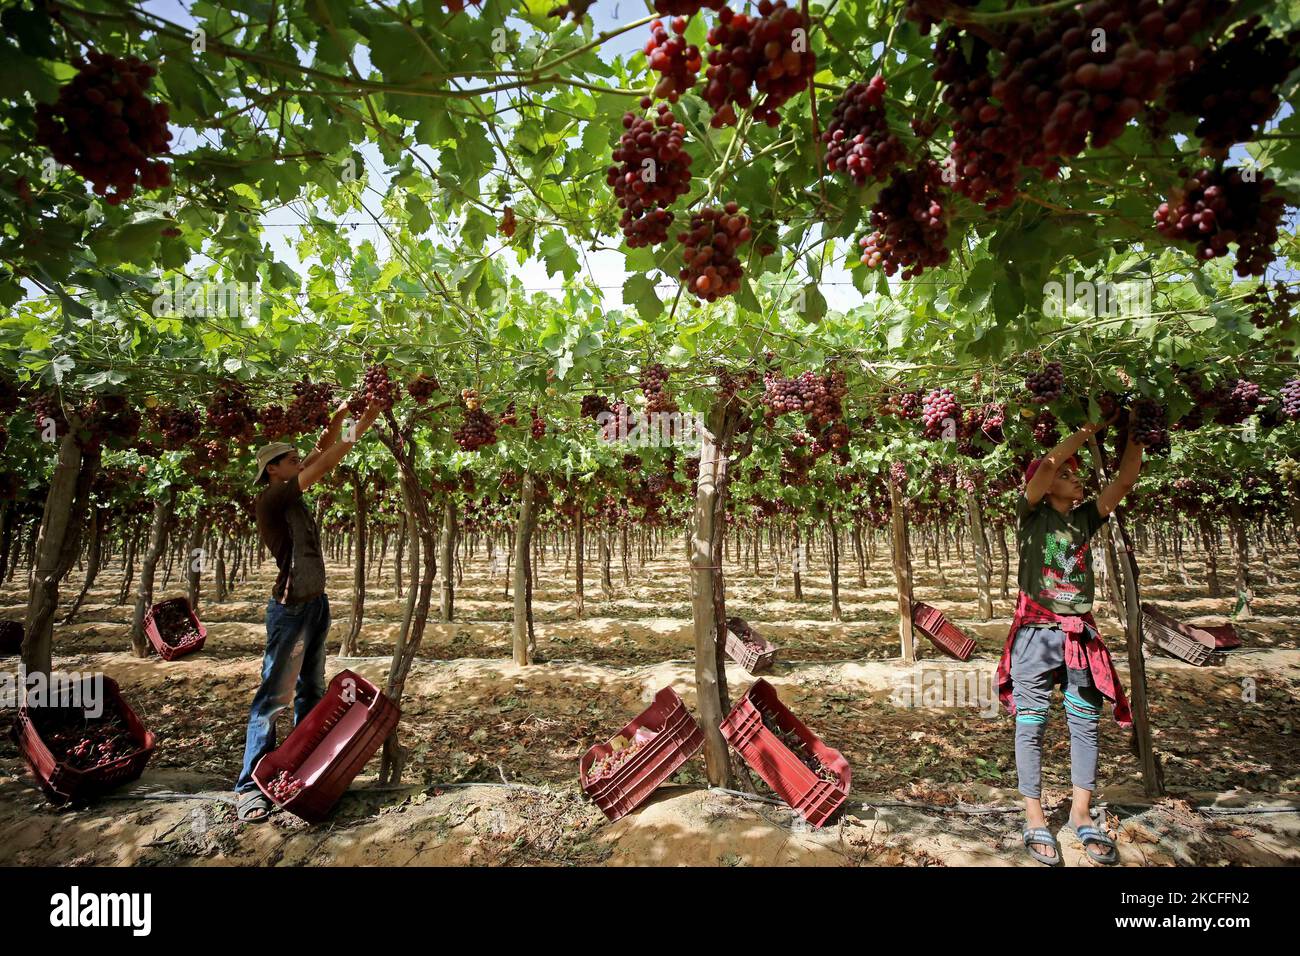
column 267, row 453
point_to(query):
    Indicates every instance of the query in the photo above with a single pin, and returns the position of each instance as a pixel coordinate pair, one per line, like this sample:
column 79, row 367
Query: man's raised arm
column 322, row 462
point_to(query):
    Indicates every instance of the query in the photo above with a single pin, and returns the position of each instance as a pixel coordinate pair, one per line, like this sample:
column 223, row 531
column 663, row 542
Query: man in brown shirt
column 298, row 612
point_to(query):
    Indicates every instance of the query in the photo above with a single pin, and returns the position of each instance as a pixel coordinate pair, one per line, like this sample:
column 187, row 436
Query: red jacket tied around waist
column 1084, row 650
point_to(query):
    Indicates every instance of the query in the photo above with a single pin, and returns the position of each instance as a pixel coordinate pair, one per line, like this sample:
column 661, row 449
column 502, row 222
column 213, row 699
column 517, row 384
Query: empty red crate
column 330, row 745
column 11, row 638
column 669, row 736
column 161, row 618
column 1180, row 640
column 756, row 654
column 792, row 780
column 942, row 632
column 64, row 783
column 1225, row 636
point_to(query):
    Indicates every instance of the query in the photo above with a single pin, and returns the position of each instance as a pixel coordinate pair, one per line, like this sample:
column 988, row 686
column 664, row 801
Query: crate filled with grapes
column 85, row 742
column 311, row 770
column 744, row 646
column 811, row 777
column 174, row 629
column 620, row 774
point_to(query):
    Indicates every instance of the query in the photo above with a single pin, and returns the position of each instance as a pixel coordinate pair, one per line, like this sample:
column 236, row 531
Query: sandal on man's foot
column 253, row 806
column 1043, row 836
column 1091, row 836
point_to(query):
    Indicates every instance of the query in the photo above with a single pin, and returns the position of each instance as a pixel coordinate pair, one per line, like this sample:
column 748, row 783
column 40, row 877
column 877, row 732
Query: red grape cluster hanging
column 859, row 142
column 769, row 54
column 106, row 129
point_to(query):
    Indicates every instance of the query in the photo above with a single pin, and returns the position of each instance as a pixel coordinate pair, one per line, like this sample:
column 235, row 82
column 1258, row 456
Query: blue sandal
column 1088, row 834
column 1043, row 836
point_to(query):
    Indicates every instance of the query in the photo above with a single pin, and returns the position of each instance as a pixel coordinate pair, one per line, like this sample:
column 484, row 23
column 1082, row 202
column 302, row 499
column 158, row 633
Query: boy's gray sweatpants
column 1037, row 664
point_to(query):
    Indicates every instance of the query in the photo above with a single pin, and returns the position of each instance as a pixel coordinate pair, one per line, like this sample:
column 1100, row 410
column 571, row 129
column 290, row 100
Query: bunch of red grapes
column 1291, row 399
column 711, row 267
column 1268, row 310
column 987, row 143
column 231, row 413
column 1046, row 384
column 654, row 386
column 284, row 786
column 903, row 405
column 421, row 388
column 898, row 474
column 1233, row 89
column 677, row 62
column 860, row 144
column 106, row 129
column 730, row 383
column 1057, row 89
column 1088, row 91
column 377, row 390
column 510, row 417
column 111, row 417
column 992, row 420
column 538, row 425
column 620, row 424
column 1217, row 206
column 1148, row 425
column 310, row 408
column 910, row 223
column 47, row 408
column 275, row 424
column 476, row 430
column 651, row 169
column 594, row 405
column 939, row 410
column 770, row 53
column 1239, row 401
column 817, row 397
column 1045, row 429
column 178, row 426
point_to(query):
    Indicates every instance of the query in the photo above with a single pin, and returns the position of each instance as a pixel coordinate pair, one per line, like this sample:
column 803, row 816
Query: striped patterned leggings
column 1037, row 665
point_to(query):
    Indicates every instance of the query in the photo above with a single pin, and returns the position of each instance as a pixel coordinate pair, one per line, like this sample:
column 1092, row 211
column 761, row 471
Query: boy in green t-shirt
column 1056, row 576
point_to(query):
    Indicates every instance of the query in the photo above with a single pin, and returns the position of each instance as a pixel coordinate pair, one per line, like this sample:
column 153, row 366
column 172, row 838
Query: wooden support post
column 1152, row 777
column 902, row 572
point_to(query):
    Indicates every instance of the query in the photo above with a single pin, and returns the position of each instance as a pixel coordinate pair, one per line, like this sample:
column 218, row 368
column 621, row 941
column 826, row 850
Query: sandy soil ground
column 495, row 747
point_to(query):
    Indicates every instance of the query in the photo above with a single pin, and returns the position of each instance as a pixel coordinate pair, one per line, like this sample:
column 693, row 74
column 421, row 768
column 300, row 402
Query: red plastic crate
column 64, row 783
column 753, row 659
column 942, row 632
column 1225, row 636
column 816, row 799
column 1180, row 640
column 330, row 745
column 676, row 738
column 11, row 638
column 169, row 652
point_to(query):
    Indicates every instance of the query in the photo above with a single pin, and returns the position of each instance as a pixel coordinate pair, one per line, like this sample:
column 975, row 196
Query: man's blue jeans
column 293, row 668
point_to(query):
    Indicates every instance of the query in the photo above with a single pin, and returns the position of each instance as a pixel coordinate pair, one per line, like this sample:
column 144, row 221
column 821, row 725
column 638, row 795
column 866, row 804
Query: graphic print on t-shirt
column 1064, row 569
